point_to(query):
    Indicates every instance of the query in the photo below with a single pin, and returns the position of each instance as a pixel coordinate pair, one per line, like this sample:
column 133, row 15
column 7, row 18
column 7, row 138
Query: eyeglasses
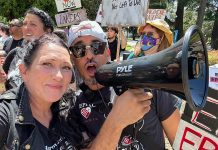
column 97, row 48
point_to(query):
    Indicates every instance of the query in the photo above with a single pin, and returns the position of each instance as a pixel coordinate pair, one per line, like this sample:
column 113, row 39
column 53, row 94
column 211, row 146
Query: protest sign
column 70, row 17
column 124, row 12
column 199, row 130
column 213, row 77
column 99, row 14
column 156, row 14
column 63, row 5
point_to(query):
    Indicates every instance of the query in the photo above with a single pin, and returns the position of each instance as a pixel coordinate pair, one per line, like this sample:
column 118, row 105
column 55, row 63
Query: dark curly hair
column 45, row 18
column 33, row 47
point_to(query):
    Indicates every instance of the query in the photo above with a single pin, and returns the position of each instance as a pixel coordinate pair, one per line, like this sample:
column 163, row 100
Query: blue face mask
column 146, row 47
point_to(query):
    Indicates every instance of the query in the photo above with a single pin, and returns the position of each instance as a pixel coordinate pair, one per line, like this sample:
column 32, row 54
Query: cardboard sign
column 156, row 14
column 198, row 130
column 70, row 17
column 124, row 12
column 213, row 77
column 63, row 5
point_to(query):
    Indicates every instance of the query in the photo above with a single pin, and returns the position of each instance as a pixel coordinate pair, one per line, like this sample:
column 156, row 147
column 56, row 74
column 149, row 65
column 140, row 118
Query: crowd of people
column 40, row 110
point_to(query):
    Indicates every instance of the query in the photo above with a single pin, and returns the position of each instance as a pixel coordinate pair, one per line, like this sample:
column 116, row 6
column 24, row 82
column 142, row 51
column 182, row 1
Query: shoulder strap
column 8, row 45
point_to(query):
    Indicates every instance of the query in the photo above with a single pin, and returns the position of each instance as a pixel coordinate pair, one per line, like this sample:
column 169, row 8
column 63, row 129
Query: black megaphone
column 181, row 69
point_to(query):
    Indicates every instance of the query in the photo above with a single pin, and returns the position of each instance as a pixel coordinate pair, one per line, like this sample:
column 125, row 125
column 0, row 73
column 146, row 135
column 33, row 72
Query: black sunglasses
column 12, row 25
column 96, row 48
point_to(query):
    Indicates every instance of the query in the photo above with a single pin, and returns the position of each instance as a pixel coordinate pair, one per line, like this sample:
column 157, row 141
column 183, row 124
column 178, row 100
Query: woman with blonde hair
column 155, row 36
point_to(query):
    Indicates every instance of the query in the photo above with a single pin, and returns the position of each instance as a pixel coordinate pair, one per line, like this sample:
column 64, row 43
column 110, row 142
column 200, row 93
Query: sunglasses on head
column 97, row 48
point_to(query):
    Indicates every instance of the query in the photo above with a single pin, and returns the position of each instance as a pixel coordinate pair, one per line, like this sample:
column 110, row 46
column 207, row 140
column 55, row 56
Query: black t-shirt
column 11, row 44
column 113, row 49
column 52, row 140
column 90, row 110
column 146, row 135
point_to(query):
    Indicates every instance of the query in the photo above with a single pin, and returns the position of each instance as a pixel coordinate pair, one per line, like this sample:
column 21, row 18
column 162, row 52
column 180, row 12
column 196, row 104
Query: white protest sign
column 99, row 14
column 70, row 17
column 124, row 12
column 198, row 129
column 190, row 137
column 213, row 77
column 67, row 4
column 156, row 14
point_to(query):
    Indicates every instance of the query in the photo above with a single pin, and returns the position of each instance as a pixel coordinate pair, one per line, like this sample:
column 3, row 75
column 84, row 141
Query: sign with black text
column 63, row 5
column 70, row 17
column 124, row 12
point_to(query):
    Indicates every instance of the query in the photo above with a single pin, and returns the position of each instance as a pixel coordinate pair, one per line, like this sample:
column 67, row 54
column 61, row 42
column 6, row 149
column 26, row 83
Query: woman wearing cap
column 155, row 36
column 35, row 24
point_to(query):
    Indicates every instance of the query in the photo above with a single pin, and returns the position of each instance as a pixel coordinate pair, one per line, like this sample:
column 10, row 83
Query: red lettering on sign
column 206, row 139
column 203, row 143
column 184, row 139
column 214, row 79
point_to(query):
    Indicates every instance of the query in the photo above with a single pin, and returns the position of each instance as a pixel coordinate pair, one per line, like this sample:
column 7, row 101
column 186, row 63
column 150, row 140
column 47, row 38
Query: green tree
column 180, row 14
column 11, row 9
column 48, row 6
column 91, row 7
column 214, row 35
column 201, row 12
column 212, row 14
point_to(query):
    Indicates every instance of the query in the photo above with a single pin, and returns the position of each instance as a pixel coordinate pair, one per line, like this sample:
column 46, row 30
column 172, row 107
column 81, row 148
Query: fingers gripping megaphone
column 181, row 69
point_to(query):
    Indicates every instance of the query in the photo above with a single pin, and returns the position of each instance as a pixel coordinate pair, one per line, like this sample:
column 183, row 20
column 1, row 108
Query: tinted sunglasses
column 97, row 48
column 148, row 40
column 12, row 25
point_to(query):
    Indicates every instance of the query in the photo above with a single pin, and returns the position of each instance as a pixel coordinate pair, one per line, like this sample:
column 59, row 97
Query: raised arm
column 123, row 40
column 128, row 109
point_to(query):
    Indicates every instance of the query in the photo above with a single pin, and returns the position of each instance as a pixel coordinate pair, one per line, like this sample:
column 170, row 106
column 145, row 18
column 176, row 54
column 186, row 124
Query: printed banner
column 70, row 17
column 63, row 5
column 124, row 12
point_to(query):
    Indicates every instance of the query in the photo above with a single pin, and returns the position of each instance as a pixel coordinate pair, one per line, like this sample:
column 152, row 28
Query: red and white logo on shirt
column 86, row 112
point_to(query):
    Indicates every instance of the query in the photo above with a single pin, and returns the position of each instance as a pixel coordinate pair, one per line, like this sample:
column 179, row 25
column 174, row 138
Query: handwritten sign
column 199, row 130
column 156, row 14
column 70, row 17
column 124, row 12
column 63, row 5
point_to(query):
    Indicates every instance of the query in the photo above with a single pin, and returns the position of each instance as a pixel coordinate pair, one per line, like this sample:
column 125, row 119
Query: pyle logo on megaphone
column 124, row 69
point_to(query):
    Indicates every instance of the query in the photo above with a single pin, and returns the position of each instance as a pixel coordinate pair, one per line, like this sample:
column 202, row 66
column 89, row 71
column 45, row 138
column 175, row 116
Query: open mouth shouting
column 91, row 69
